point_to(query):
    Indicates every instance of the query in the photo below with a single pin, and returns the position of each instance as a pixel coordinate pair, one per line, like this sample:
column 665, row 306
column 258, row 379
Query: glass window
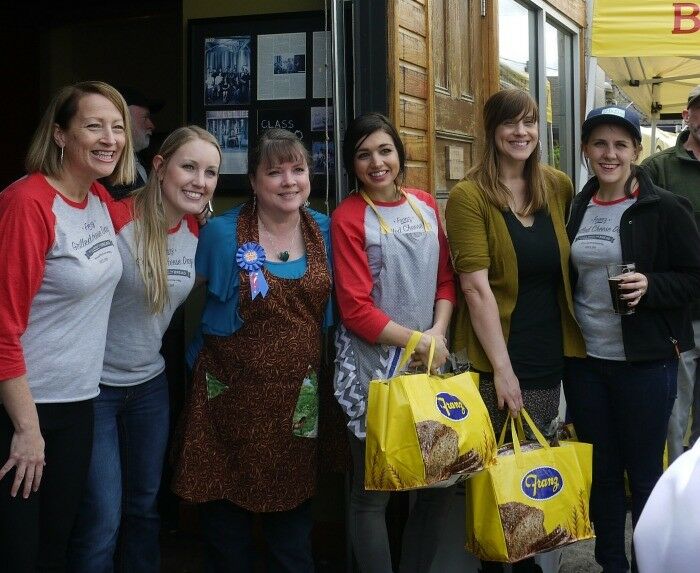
column 558, row 46
column 517, row 46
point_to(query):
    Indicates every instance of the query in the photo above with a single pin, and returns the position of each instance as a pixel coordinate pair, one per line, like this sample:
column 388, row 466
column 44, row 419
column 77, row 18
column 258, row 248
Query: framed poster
column 252, row 73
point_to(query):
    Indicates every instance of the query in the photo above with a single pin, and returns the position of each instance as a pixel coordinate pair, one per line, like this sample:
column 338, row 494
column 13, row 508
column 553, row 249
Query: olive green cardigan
column 479, row 239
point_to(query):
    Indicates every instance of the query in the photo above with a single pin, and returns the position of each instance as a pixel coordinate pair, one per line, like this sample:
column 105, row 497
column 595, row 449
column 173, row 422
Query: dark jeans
column 622, row 408
column 228, row 536
column 130, row 437
column 34, row 532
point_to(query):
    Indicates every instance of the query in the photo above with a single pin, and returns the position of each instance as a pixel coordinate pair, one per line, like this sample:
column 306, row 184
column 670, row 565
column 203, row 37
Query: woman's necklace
column 282, row 255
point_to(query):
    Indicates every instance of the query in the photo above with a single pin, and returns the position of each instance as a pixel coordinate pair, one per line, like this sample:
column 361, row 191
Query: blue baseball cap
column 625, row 117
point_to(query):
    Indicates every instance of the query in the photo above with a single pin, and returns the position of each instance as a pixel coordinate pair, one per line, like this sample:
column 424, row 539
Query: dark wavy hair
column 360, row 129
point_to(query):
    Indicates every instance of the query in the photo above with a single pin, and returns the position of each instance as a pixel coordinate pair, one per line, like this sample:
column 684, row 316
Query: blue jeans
column 119, row 504
column 622, row 408
column 228, row 535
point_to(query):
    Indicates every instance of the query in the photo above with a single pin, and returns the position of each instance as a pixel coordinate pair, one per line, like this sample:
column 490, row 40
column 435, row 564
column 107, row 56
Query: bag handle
column 410, row 348
column 519, row 426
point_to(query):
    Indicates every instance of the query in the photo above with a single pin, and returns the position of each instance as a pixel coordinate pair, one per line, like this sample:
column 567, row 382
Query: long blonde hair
column 151, row 225
column 44, row 155
column 510, row 104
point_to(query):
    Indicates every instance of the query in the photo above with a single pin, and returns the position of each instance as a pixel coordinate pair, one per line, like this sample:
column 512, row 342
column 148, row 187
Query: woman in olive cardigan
column 506, row 229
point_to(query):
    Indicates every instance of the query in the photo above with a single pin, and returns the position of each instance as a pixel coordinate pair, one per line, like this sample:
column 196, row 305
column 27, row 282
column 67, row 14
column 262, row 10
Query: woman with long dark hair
column 392, row 277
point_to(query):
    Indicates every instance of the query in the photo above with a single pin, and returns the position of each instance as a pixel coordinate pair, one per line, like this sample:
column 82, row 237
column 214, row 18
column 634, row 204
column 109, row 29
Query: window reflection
column 516, row 47
column 558, row 68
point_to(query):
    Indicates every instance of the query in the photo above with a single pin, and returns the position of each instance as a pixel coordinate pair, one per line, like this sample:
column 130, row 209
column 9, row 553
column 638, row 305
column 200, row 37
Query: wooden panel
column 413, row 114
column 412, row 49
column 439, row 43
column 458, row 110
column 442, row 183
column 456, row 115
column 467, row 48
column 418, row 176
column 411, row 16
column 413, row 82
column 416, row 147
column 574, row 9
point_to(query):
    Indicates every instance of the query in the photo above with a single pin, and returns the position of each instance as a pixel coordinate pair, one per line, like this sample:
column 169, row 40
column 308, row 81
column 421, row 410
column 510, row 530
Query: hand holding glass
column 616, row 274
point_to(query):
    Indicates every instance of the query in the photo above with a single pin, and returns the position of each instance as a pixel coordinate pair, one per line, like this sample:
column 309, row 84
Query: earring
column 255, row 201
column 61, row 156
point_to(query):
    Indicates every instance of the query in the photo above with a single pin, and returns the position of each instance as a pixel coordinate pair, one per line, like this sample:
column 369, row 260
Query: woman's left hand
column 634, row 286
column 441, row 351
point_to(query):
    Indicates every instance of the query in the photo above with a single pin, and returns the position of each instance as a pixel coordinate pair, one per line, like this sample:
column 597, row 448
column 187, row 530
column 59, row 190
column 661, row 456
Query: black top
column 535, row 342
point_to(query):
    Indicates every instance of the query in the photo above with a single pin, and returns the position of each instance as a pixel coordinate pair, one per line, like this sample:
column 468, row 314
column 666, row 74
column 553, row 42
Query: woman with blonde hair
column 59, row 268
column 157, row 235
column 506, row 228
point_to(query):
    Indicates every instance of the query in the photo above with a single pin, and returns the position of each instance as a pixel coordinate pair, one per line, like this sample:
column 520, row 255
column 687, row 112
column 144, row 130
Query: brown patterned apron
column 239, row 445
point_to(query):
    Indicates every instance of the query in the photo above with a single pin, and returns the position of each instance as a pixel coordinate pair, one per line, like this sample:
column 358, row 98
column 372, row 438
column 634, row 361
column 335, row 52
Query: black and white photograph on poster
column 290, row 64
column 319, row 116
column 227, row 70
column 322, row 65
column 292, row 119
column 231, row 131
column 318, row 157
column 282, row 66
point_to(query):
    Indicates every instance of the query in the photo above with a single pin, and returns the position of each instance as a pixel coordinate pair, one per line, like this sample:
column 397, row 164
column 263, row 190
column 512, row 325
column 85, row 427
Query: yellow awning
column 649, row 42
column 645, row 28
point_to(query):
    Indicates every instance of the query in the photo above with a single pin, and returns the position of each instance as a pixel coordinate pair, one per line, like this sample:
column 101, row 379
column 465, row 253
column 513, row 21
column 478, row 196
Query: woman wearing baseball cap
column 621, row 395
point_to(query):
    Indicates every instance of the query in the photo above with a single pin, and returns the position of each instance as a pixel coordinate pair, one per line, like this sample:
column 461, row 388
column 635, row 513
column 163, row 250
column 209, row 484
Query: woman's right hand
column 27, row 457
column 508, row 391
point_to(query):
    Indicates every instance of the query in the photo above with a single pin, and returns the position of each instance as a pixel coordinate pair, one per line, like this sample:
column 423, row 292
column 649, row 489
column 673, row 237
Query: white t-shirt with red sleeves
column 132, row 355
column 357, row 256
column 59, row 265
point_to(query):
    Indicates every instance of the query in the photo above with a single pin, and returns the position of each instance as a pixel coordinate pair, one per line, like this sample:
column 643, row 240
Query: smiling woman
column 620, row 396
column 505, row 224
column 59, row 268
column 392, row 277
column 248, row 435
column 157, row 237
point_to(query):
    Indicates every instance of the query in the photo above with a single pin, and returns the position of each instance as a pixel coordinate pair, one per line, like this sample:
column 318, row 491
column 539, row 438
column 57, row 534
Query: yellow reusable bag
column 425, row 430
column 531, row 500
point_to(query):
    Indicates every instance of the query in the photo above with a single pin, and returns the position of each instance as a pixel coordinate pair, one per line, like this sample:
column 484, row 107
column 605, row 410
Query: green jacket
column 479, row 239
column 676, row 171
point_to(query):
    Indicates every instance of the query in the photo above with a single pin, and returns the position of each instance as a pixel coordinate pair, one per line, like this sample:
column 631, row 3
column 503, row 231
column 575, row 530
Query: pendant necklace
column 282, row 255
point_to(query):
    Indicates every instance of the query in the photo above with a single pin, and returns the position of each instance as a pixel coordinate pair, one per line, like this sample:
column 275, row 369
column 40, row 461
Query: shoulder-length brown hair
column 44, row 156
column 510, row 104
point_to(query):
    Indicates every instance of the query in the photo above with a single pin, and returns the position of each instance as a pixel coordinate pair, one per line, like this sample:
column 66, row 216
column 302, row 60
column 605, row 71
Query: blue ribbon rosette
column 251, row 257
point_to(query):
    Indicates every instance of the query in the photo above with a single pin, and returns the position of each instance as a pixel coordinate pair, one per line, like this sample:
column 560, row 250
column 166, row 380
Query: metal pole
column 338, row 57
column 655, row 109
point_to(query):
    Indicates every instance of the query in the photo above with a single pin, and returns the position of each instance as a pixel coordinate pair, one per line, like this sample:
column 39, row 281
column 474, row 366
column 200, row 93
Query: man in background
column 678, row 170
column 140, row 108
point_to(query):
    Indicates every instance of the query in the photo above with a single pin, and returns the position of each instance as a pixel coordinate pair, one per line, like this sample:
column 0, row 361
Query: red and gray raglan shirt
column 378, row 278
column 59, row 267
column 132, row 355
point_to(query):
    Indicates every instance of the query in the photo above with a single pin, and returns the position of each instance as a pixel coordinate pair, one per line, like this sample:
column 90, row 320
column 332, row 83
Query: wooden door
column 463, row 54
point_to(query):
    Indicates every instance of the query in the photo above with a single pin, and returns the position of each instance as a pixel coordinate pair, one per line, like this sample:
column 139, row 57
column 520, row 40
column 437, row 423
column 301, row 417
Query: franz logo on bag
column 542, row 483
column 451, row 407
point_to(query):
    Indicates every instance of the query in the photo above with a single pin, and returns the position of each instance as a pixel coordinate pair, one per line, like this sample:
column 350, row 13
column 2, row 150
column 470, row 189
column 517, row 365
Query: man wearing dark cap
column 142, row 126
column 678, row 170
